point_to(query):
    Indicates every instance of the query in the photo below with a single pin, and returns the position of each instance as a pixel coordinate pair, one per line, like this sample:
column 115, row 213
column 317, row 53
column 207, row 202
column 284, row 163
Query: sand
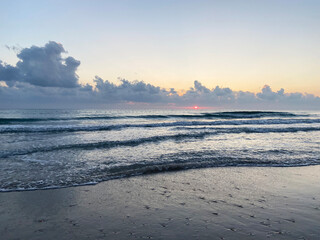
column 216, row 203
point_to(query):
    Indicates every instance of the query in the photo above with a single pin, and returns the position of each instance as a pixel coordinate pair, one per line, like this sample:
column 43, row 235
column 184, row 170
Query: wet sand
column 217, row 203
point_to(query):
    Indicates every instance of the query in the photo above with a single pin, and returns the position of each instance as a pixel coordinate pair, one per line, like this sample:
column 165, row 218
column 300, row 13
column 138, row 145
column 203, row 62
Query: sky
column 245, row 46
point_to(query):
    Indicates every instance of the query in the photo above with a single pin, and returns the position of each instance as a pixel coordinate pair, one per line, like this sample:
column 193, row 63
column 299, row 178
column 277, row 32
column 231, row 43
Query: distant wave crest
column 217, row 115
column 90, row 128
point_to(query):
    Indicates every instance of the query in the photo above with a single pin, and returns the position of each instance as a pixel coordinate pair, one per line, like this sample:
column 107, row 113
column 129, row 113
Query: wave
column 205, row 162
column 227, row 115
column 109, row 144
column 255, row 130
column 4, row 121
column 191, row 160
column 155, row 139
column 90, row 128
column 209, row 115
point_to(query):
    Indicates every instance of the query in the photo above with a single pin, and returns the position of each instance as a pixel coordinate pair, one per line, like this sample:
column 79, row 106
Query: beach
column 212, row 203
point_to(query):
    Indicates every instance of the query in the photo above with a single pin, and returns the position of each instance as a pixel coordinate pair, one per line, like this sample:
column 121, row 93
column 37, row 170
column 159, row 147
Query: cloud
column 280, row 97
column 105, row 93
column 9, row 74
column 43, row 78
column 200, row 94
column 42, row 66
column 267, row 93
column 126, row 91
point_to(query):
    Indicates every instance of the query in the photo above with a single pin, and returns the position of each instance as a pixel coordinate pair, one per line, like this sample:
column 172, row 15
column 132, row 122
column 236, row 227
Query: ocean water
column 42, row 149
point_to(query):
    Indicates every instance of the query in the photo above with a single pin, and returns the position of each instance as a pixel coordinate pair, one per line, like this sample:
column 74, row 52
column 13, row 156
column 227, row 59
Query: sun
column 195, row 107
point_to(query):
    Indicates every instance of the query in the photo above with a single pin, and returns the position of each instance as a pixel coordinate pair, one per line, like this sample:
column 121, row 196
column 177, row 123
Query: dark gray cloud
column 43, row 78
column 42, row 66
column 9, row 74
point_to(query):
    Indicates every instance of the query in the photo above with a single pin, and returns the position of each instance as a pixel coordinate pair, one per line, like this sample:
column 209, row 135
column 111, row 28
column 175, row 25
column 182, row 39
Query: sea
column 44, row 149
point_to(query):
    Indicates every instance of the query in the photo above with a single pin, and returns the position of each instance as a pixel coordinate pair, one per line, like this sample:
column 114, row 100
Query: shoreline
column 210, row 203
column 148, row 174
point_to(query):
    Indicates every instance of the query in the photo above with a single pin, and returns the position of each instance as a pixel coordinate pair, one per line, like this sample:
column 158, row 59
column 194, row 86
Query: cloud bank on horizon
column 44, row 78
